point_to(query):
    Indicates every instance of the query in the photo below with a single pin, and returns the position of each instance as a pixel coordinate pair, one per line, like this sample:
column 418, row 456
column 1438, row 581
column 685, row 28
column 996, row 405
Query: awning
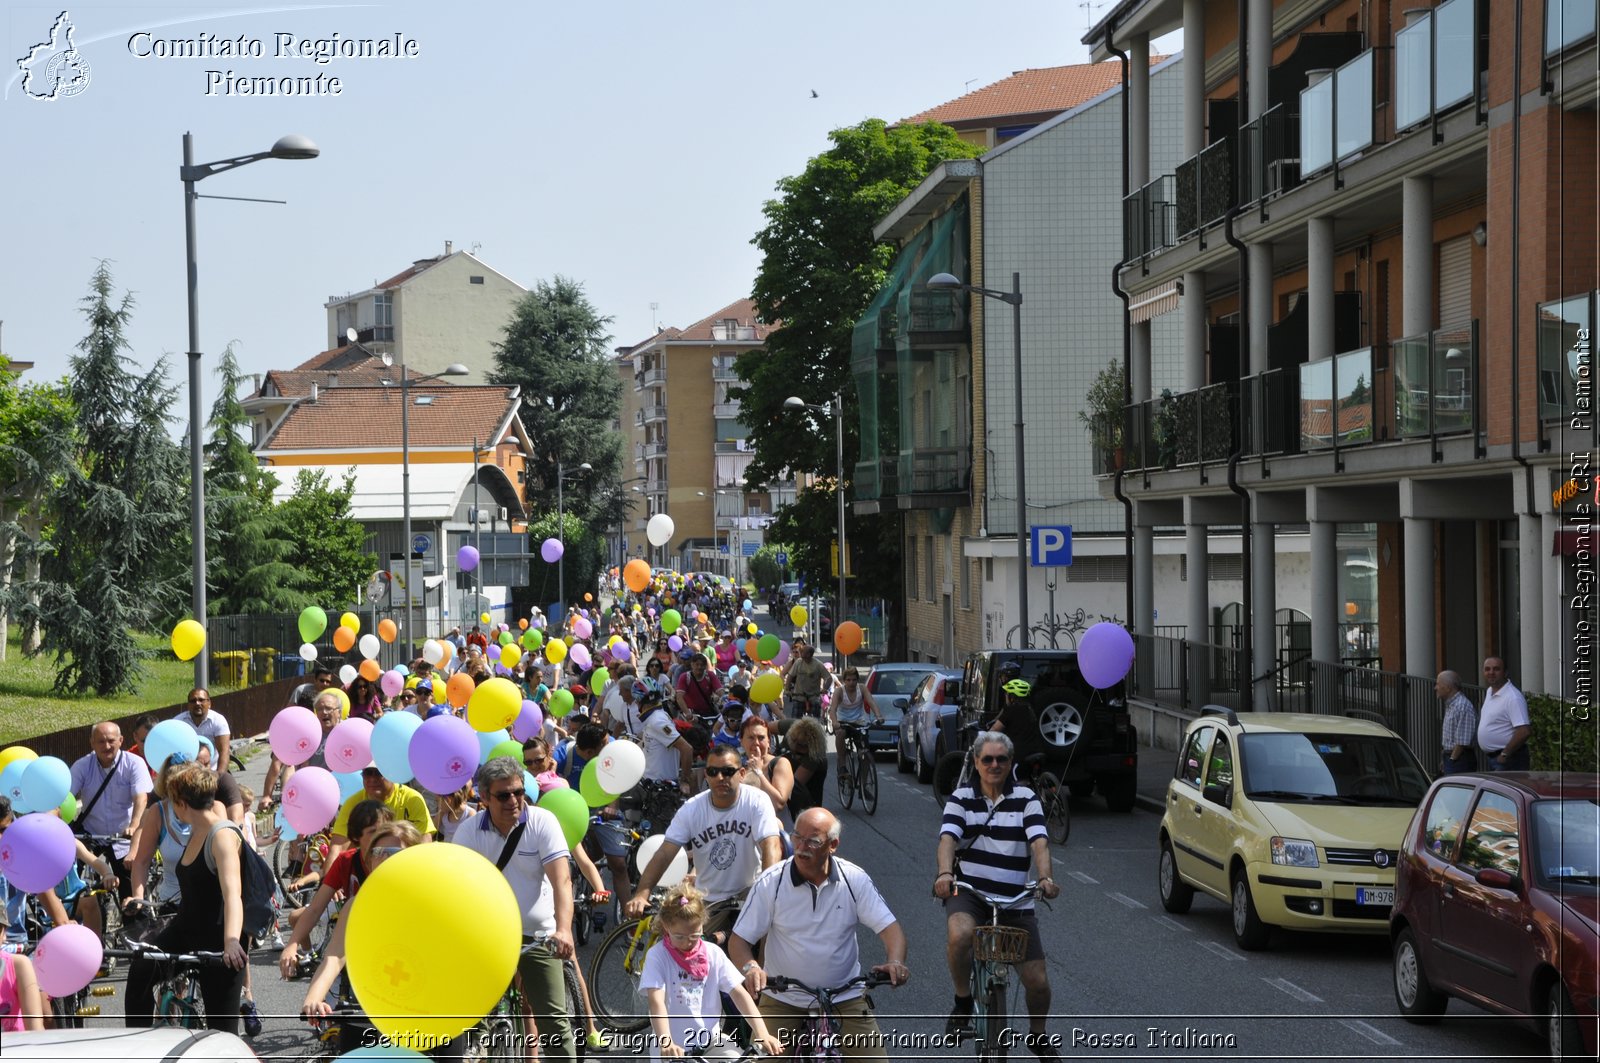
column 1573, row 543
column 1154, row 303
column 430, row 582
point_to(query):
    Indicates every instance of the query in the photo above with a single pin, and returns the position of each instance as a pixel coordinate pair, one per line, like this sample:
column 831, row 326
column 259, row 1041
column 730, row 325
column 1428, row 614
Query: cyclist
column 981, row 840
column 696, row 688
column 112, row 787
column 207, row 722
column 667, row 754
column 403, row 801
column 1017, row 718
column 804, row 681
column 851, row 705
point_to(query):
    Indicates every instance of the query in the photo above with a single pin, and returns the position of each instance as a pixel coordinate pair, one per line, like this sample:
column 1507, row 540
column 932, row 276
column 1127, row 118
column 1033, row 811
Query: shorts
column 609, row 834
column 1023, row 919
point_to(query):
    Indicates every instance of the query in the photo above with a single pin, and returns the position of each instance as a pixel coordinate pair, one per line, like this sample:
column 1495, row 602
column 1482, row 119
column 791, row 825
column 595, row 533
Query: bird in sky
column 813, row 94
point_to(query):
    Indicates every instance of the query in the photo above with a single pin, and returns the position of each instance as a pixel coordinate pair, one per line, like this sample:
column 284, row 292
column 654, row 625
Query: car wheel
column 1566, row 1036
column 1248, row 929
column 1176, row 894
column 1419, row 1001
column 1060, row 724
column 1120, row 792
column 946, row 774
column 902, row 762
column 924, row 770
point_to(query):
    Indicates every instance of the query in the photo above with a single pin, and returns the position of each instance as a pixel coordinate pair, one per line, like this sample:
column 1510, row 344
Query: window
column 1492, row 839
column 911, row 566
column 383, row 309
column 966, row 583
column 988, row 569
column 1191, row 764
column 1442, row 828
column 477, row 279
column 1220, row 772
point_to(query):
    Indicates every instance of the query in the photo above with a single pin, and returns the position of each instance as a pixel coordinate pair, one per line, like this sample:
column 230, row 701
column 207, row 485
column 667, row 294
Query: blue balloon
column 391, row 745
column 349, row 784
column 285, row 832
column 529, row 784
column 46, row 782
column 391, row 1053
column 402, row 669
column 487, row 740
column 169, row 737
column 11, row 786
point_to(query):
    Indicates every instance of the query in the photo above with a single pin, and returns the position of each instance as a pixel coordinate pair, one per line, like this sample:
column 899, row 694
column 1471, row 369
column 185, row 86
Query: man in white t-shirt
column 1503, row 722
column 732, row 835
column 536, row 867
column 208, row 723
column 667, row 755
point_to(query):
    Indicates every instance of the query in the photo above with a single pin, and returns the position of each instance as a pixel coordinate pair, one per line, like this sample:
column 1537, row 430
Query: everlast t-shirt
column 723, row 842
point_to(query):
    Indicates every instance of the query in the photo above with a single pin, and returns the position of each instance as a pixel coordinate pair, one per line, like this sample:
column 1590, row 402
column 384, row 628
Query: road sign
column 783, row 559
column 421, row 544
column 1052, row 545
column 749, row 549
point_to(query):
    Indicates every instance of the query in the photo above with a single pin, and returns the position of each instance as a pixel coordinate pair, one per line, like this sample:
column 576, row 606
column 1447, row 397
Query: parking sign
column 1052, row 545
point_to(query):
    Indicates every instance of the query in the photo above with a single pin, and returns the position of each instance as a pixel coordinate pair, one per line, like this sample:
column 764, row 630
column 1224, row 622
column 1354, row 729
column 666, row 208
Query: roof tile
column 345, row 417
column 1048, row 89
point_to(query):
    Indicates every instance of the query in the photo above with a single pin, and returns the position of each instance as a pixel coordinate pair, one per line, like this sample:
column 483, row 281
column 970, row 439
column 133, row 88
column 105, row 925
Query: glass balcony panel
column 1413, row 73
column 1562, row 352
column 1316, row 126
column 1454, row 371
column 1567, row 22
column 1353, row 90
column 1455, row 34
column 1316, row 404
column 1412, row 395
column 1352, row 377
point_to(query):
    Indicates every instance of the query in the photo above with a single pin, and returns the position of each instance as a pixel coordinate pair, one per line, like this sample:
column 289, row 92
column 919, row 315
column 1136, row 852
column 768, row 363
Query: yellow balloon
column 799, row 615
column 188, row 639
column 766, row 688
column 751, row 628
column 483, row 618
column 344, row 703
column 16, row 753
column 351, row 621
column 509, row 656
column 555, row 651
column 393, row 974
column 494, row 704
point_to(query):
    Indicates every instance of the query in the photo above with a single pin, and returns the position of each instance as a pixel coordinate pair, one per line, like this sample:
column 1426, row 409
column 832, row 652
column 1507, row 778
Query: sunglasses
column 991, row 761
column 386, row 850
column 722, row 773
column 509, row 795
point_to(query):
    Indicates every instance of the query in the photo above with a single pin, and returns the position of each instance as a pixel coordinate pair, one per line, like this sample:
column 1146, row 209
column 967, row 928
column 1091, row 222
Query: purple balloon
column 444, row 754
column 529, row 722
column 580, row 655
column 783, row 654
column 1105, row 653
column 36, row 852
column 467, row 558
column 674, row 644
column 621, row 651
column 551, row 550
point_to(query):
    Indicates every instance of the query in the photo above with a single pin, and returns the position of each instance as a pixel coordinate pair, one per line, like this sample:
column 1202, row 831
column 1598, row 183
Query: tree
column 765, row 572
column 119, row 509
column 584, row 557
column 327, row 544
column 37, row 441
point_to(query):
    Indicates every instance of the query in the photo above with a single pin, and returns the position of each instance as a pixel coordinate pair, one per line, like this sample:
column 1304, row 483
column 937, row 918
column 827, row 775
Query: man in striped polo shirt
column 993, row 833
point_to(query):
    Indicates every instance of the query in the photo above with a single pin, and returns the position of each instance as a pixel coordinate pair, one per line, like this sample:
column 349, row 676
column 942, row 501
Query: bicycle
column 859, row 772
column 178, row 999
column 102, row 845
column 1052, row 798
column 504, row 1032
column 294, row 860
column 68, row 1012
column 995, row 949
column 817, row 1040
column 618, row 965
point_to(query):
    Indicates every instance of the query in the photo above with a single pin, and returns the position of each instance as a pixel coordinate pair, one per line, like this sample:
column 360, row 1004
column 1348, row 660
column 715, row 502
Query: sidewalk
column 1155, row 771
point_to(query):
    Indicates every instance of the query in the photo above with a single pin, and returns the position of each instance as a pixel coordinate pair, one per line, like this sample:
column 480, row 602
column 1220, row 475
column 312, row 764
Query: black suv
column 1089, row 742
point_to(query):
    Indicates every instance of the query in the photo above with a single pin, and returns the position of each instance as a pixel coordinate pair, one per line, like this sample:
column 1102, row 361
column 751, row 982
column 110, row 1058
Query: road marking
column 1293, row 990
column 1221, row 950
column 1369, row 1031
column 1085, row 879
column 1168, row 921
column 1123, row 898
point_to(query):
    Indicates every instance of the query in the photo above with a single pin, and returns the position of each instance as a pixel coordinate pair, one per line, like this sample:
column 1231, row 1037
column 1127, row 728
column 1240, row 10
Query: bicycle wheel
column 110, row 919
column 582, row 912
column 577, row 1007
column 64, row 1012
column 235, row 765
column 847, row 777
column 869, row 783
column 614, row 978
column 497, row 1036
column 1057, row 812
column 992, row 1028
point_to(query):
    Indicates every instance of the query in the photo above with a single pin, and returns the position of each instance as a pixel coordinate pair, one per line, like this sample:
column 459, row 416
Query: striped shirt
column 996, row 860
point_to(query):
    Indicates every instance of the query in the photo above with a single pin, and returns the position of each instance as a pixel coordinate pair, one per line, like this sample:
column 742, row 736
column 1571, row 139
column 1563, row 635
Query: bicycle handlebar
column 870, row 980
column 185, row 959
column 1029, row 891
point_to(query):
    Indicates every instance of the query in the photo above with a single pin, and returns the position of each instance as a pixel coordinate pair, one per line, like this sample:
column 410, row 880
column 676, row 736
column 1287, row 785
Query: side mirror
column 1218, row 795
column 1497, row 879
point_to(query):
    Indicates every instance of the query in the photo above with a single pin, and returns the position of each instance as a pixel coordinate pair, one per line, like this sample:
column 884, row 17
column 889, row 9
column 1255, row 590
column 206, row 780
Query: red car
column 1497, row 901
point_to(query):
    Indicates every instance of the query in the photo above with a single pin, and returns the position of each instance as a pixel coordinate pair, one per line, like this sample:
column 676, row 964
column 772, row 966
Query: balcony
column 1437, row 62
column 722, row 369
column 1565, row 348
column 733, row 333
column 1436, row 391
column 938, row 319
column 655, row 487
column 875, row 479
column 1205, row 188
column 726, row 410
column 1149, row 219
column 1337, row 116
column 638, row 418
column 1267, row 404
column 1269, row 155
column 734, row 446
column 934, row 477
column 1336, row 405
column 657, row 449
column 649, row 378
column 652, row 414
column 1189, row 428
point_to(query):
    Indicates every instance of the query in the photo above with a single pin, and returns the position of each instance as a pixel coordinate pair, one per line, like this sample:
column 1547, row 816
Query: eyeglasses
column 199, row 701
column 534, row 763
column 722, row 773
column 991, row 761
column 386, row 850
column 810, row 843
column 509, row 795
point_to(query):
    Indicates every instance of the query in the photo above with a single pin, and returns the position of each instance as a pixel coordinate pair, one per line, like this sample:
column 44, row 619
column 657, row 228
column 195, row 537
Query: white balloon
column 347, row 674
column 432, row 652
column 658, row 531
column 619, row 767
column 675, row 871
column 308, row 651
column 369, row 646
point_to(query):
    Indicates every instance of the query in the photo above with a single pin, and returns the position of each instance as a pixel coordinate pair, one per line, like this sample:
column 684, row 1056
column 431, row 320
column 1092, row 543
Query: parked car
column 1294, row 820
column 1498, row 903
column 934, row 708
column 158, row 1045
column 1090, row 741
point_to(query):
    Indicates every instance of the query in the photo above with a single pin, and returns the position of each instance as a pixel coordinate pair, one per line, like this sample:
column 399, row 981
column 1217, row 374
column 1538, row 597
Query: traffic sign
column 783, row 559
column 421, row 544
column 1052, row 545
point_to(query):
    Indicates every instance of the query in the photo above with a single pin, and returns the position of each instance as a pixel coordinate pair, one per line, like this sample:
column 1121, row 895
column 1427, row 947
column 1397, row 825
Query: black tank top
column 197, row 925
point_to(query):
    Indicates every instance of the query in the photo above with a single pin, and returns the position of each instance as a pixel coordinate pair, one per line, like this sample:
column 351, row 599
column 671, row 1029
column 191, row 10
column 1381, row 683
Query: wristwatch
column 749, row 966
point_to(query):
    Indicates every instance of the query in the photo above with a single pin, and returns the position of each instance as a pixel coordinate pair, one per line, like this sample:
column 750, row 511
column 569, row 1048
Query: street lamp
column 949, row 282
column 561, row 526
column 293, row 146
column 794, row 402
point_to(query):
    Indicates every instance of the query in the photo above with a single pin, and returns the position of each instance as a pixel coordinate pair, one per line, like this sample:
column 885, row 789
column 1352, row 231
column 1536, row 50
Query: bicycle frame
column 817, row 1040
column 991, row 979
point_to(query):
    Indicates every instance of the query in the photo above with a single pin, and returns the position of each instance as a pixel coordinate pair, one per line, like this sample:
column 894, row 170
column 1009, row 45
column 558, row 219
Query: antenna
column 1089, row 8
column 475, row 246
column 350, row 335
column 967, row 84
column 654, row 328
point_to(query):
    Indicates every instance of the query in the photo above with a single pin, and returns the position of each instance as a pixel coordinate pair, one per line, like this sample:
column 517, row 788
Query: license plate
column 1375, row 896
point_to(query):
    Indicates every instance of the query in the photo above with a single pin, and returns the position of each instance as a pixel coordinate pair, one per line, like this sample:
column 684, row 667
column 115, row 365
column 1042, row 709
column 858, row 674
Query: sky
column 627, row 145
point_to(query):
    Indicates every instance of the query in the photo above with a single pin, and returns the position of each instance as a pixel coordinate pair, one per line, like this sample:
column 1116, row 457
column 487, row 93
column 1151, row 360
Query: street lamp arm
column 200, row 171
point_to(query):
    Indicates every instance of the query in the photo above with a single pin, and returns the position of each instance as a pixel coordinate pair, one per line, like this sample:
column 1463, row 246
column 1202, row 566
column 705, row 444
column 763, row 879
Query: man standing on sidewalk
column 1459, row 732
column 1503, row 726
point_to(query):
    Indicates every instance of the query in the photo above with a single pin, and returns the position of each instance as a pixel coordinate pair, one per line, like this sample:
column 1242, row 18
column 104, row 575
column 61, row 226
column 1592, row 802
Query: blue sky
column 627, row 145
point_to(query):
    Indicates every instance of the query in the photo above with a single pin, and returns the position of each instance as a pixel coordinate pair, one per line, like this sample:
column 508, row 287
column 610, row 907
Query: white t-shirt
column 694, row 1006
column 212, row 727
column 541, row 843
column 723, row 843
column 658, row 733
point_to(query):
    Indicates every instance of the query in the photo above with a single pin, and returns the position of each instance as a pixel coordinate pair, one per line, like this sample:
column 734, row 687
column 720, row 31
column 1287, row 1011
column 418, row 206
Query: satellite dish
column 388, row 359
column 350, row 335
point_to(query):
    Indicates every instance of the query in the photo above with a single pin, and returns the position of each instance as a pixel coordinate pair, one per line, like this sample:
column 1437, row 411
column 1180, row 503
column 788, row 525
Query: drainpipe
column 1245, row 544
column 1127, row 336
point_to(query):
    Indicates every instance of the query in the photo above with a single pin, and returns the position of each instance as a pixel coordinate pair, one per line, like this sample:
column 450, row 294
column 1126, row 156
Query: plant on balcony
column 1168, row 429
column 1102, row 415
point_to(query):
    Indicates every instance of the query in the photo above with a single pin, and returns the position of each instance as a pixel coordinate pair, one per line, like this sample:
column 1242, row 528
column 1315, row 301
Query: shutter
column 1455, row 282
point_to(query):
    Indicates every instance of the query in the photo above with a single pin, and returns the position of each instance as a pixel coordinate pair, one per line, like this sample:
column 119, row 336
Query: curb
column 1150, row 804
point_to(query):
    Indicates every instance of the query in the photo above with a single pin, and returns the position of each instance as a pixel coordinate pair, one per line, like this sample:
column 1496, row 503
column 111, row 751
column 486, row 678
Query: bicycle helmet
column 1018, row 688
column 1010, row 669
column 686, row 655
column 640, row 689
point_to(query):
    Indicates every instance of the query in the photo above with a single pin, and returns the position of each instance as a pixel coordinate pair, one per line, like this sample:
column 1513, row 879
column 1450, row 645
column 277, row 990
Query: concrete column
column 1263, row 610
column 1261, row 307
column 1416, row 255
column 1144, row 600
column 1140, row 358
column 1325, row 609
column 1259, row 33
column 1139, row 112
column 1419, row 595
column 1531, row 549
column 1194, row 77
column 1557, row 650
column 1199, row 610
column 1319, row 287
column 1194, row 330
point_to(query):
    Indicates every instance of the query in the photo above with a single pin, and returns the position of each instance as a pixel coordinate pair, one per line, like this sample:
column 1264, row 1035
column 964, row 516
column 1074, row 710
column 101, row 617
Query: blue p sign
column 1052, row 545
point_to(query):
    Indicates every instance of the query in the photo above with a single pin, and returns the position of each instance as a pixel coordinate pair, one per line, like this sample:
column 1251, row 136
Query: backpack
column 256, row 885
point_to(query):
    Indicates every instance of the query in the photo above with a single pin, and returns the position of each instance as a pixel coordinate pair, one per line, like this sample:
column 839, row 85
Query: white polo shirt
column 657, row 733
column 214, row 726
column 129, row 776
column 1504, row 710
column 811, row 930
column 541, row 843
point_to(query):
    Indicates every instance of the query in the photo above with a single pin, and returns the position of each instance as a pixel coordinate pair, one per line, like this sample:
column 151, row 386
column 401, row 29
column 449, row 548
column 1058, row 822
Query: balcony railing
column 1267, row 407
column 935, row 470
column 937, row 312
column 1187, row 428
column 1149, row 219
column 638, row 418
column 1566, row 354
column 655, row 450
column 1269, row 155
column 729, row 333
column 1436, row 63
column 1566, row 22
column 1337, row 114
column 875, row 479
column 651, row 414
column 1336, row 401
column 723, row 370
column 649, row 378
column 725, row 409
column 1205, row 188
column 655, row 487
column 1435, row 384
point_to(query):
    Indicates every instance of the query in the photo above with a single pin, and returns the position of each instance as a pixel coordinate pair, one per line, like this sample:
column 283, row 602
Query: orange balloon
column 343, row 639
column 637, row 575
column 750, row 649
column 523, row 623
column 847, row 637
column 370, row 671
column 588, row 597
column 459, row 689
column 387, row 630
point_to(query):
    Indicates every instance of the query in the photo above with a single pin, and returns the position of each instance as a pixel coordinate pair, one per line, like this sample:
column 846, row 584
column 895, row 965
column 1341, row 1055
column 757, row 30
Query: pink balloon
column 582, row 628
column 36, row 851
column 444, row 754
column 349, row 745
column 549, row 780
column 621, row 651
column 66, row 959
column 674, row 644
column 580, row 655
column 311, row 800
column 294, row 735
column 783, row 654
column 391, row 683
column 528, row 723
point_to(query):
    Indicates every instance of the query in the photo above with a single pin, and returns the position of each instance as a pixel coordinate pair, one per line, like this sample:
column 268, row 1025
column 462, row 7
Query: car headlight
column 1295, row 852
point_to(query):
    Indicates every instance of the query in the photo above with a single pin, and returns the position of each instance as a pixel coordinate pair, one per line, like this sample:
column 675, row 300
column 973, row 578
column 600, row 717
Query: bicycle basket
column 1000, row 944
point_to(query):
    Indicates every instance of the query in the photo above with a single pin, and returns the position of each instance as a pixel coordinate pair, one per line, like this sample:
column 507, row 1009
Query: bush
column 1565, row 736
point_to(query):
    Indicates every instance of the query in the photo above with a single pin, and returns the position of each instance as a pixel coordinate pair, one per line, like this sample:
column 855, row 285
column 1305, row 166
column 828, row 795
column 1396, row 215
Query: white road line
column 1085, row 879
column 1173, row 924
column 1293, row 990
column 1369, row 1031
column 1221, row 950
column 1123, row 898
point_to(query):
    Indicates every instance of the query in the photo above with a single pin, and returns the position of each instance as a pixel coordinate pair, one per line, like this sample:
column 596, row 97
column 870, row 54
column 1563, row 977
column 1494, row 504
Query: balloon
column 370, row 670
column 750, row 629
column 395, row 975
column 671, row 620
column 169, row 737
column 344, row 701
column 11, row 786
column 294, row 735
column 766, row 688
column 370, row 645
column 580, row 656
column 551, row 550
column 847, row 637
column 589, row 787
column 188, row 639
column 392, row 683
column 351, row 621
column 1105, row 653
column 571, row 810
column 347, row 673
column 561, row 703
column 798, row 615
column 483, row 618
column 349, row 746
column 444, row 754
column 750, row 648
column 529, row 722
column 402, row 670
column 782, row 656
column 532, row 640
column 467, row 558
column 747, row 605
column 523, row 624
column 767, row 647
column 431, row 652
column 510, row 655
column 308, row 652
column 391, row 744
column 12, row 753
column 619, row 766
column 598, row 681
column 675, row 871
column 66, row 959
column 494, row 705
column 622, row 651
column 555, row 651
column 505, row 639
column 659, row 530
column 343, row 639
column 387, row 629
column 37, row 851
column 45, row 782
column 459, row 689
column 675, row 643
column 511, row 747
column 588, row 597
column 313, row 622
column 69, row 808
column 310, row 799
column 387, row 1053
column 636, row 574
column 349, row 784
column 489, row 741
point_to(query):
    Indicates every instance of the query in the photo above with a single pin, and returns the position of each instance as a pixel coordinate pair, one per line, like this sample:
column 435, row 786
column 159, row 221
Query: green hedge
column 1565, row 736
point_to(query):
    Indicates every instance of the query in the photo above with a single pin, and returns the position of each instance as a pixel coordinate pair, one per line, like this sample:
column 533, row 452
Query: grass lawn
column 29, row 706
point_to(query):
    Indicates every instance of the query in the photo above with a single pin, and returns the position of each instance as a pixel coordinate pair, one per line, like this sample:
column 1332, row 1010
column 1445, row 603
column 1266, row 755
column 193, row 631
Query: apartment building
column 1379, row 252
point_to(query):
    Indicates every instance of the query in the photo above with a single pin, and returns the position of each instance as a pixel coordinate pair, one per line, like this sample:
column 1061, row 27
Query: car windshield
column 1354, row 769
column 899, row 681
column 1566, row 843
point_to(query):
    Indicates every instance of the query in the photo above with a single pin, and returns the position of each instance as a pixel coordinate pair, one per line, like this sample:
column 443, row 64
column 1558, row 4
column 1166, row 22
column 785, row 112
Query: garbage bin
column 261, row 664
column 229, row 667
column 290, row 664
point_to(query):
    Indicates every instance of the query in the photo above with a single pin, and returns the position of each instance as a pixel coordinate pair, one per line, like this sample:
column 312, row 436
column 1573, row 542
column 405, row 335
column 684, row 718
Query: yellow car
column 1294, row 820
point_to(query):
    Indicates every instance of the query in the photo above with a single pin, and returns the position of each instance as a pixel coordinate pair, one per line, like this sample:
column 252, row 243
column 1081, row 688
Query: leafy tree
column 810, row 526
column 327, row 544
column 119, row 509
column 36, row 443
column 584, row 559
column 765, row 571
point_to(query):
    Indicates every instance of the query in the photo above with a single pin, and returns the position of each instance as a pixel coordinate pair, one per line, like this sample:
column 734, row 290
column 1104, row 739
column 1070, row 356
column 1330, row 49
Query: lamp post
column 794, row 402
column 561, row 531
column 948, row 282
column 293, row 146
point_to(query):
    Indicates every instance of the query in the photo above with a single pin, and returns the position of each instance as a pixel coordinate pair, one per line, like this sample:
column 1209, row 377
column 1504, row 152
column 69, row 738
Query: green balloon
column 509, row 748
column 570, row 810
column 69, row 808
column 598, row 680
column 671, row 620
column 313, row 622
column 561, row 702
column 589, row 786
column 768, row 646
column 532, row 639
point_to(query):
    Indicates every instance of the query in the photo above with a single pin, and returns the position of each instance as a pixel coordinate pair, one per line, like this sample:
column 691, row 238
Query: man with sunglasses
column 992, row 831
column 207, row 723
column 526, row 843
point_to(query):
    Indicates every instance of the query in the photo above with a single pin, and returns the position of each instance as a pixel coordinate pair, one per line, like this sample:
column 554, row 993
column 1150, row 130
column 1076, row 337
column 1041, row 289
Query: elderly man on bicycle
column 993, row 829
